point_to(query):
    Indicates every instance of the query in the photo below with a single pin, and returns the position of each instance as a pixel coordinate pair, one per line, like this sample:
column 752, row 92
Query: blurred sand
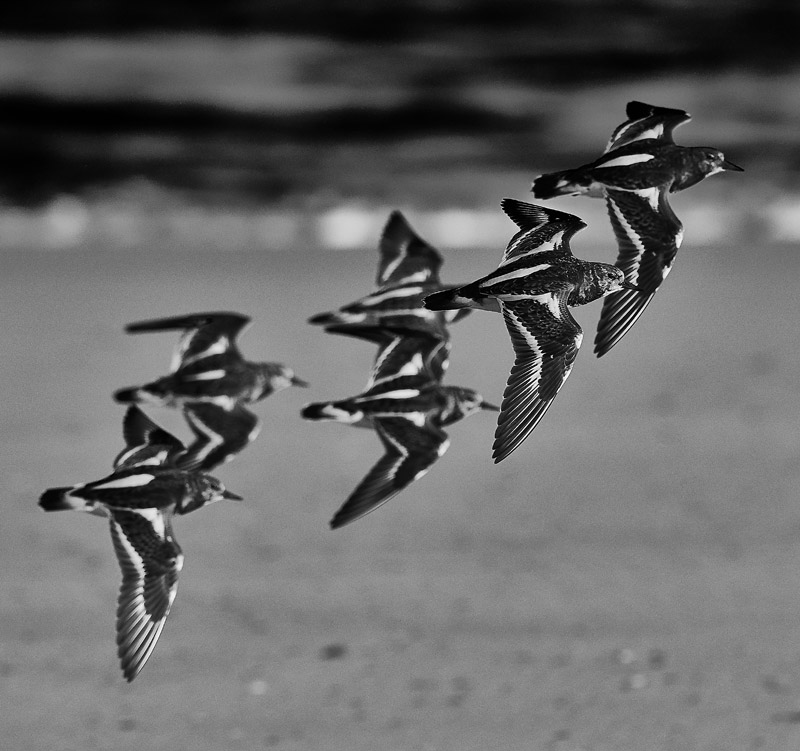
column 627, row 580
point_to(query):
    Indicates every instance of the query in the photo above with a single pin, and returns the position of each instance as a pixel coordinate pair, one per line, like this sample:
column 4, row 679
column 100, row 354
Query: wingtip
column 603, row 344
column 502, row 448
column 338, row 521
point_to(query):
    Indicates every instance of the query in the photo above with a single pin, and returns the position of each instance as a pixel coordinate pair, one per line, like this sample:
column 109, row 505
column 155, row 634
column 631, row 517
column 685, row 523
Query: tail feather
column 57, row 499
column 567, row 183
column 461, row 298
column 337, row 411
column 325, row 319
column 316, row 411
column 555, row 184
column 447, row 299
column 127, row 396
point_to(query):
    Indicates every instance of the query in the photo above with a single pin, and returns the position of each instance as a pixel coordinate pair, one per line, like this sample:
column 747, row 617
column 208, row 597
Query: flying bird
column 140, row 498
column 537, row 280
column 641, row 165
column 408, row 270
column 207, row 366
column 408, row 407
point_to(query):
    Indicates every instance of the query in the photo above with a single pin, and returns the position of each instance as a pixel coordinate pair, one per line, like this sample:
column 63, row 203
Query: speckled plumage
column 639, row 168
column 140, row 498
column 211, row 382
column 536, row 281
column 408, row 270
column 408, row 407
column 207, row 365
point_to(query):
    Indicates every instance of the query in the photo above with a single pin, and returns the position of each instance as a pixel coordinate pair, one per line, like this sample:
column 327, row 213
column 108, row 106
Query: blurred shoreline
column 68, row 223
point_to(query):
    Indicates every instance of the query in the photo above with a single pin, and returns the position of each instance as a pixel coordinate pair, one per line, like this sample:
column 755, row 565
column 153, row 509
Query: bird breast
column 598, row 279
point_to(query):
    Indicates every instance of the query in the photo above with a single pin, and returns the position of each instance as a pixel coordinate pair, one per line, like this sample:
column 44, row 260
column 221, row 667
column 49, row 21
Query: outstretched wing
column 150, row 561
column 546, row 339
column 204, row 335
column 410, row 451
column 541, row 229
column 648, row 237
column 647, row 121
column 219, row 434
column 405, row 258
column 146, row 442
column 425, row 357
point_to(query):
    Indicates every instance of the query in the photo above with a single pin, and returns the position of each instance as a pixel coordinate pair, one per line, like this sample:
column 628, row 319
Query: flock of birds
column 538, row 279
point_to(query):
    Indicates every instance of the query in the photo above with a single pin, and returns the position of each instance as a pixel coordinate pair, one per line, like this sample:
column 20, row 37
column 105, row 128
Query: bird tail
column 324, row 319
column 318, row 411
column 448, row 299
column 58, row 499
column 555, row 184
column 330, row 411
column 128, row 396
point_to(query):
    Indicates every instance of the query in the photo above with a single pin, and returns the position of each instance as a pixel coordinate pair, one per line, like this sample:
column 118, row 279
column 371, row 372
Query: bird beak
column 231, row 496
column 628, row 285
column 492, row 407
column 731, row 166
column 299, row 382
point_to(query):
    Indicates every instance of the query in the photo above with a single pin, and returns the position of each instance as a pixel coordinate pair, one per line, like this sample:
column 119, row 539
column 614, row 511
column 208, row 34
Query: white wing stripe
column 131, row 481
column 219, row 347
column 516, row 274
column 207, row 375
column 390, row 295
column 397, row 394
column 626, row 161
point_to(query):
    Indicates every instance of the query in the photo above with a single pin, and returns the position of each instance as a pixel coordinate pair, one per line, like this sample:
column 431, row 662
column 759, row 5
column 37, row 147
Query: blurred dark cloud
column 744, row 29
column 396, row 74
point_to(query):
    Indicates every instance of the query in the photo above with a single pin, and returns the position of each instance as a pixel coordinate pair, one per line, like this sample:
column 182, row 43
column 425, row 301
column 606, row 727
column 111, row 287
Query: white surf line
column 68, row 223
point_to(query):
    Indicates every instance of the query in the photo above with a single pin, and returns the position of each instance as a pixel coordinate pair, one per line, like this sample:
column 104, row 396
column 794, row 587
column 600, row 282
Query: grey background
column 626, row 580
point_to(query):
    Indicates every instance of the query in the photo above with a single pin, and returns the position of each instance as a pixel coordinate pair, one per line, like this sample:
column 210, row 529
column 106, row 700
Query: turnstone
column 640, row 166
column 538, row 278
column 408, row 408
column 207, row 366
column 140, row 498
column 408, row 270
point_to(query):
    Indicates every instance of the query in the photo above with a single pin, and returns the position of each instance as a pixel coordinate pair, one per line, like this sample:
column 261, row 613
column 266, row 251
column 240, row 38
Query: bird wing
column 541, row 229
column 219, row 434
column 546, row 339
column 146, row 442
column 646, row 121
column 410, row 355
column 405, row 258
column 396, row 308
column 648, row 236
column 204, row 335
column 410, row 450
column 150, row 560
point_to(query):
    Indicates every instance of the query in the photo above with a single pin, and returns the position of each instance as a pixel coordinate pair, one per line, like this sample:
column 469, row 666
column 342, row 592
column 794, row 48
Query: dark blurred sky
column 402, row 87
column 745, row 29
